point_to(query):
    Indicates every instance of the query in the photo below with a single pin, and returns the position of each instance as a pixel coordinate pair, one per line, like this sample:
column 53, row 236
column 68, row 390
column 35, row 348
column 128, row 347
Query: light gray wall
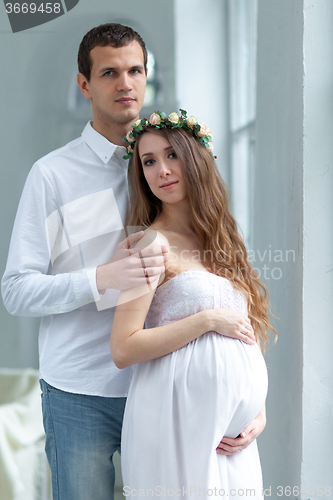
column 293, row 209
column 277, row 225
column 317, row 460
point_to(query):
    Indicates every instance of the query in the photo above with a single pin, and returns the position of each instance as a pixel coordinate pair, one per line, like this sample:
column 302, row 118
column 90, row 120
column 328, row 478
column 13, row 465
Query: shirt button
column 119, row 149
column 90, row 300
column 57, row 309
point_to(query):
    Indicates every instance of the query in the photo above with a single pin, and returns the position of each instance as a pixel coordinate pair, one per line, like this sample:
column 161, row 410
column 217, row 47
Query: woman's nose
column 164, row 170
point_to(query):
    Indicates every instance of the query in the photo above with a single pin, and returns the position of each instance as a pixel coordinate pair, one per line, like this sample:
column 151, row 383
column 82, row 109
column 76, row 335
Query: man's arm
column 30, row 287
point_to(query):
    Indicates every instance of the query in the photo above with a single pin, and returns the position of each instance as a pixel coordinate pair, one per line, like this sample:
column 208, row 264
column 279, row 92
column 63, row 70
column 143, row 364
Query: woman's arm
column 131, row 343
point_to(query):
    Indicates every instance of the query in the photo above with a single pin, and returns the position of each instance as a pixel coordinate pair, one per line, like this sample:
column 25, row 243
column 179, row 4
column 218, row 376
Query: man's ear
column 83, row 85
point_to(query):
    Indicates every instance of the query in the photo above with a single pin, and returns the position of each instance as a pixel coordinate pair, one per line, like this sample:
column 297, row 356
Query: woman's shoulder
column 162, row 236
column 153, row 237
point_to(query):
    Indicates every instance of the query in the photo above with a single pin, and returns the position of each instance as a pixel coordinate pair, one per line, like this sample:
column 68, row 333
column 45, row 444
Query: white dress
column 181, row 405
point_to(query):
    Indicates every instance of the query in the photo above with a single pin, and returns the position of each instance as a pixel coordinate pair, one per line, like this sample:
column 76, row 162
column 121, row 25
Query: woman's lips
column 169, row 185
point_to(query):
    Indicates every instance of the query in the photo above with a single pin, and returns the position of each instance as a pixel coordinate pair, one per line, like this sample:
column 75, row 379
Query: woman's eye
column 149, row 162
column 172, row 155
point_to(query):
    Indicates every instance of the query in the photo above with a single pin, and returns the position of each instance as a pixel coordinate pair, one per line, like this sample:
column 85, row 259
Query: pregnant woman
column 183, row 399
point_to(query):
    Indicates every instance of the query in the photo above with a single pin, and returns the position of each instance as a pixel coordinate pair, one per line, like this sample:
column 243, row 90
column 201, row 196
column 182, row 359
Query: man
column 68, row 259
column 71, row 219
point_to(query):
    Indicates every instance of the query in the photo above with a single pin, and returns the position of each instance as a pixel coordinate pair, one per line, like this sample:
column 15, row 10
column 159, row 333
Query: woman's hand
column 230, row 446
column 235, row 324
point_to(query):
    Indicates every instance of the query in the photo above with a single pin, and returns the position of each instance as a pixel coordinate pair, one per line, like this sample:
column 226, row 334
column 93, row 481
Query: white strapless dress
column 180, row 406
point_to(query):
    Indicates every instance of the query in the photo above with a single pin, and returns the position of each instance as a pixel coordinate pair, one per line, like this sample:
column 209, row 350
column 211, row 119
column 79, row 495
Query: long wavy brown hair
column 222, row 247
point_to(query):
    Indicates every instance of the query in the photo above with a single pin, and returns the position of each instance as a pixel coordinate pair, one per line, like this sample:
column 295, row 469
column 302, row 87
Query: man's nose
column 124, row 82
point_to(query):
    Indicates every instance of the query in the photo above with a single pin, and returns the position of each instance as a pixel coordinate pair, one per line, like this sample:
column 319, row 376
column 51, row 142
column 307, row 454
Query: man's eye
column 134, row 71
column 108, row 73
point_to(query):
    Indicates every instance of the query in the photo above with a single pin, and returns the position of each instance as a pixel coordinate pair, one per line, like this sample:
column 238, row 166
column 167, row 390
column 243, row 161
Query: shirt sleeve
column 30, row 286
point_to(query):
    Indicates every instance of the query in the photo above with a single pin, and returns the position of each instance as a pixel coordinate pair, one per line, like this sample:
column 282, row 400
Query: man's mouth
column 125, row 100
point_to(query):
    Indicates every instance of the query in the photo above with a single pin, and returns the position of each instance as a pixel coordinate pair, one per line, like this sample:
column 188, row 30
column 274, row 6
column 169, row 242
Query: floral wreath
column 160, row 120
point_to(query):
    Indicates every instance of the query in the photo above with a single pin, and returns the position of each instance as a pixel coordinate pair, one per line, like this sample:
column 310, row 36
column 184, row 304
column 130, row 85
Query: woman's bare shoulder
column 153, row 237
column 158, row 235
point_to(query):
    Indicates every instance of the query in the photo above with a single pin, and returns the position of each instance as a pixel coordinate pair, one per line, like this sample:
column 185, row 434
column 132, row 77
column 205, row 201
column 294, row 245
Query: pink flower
column 154, row 119
column 204, row 130
column 128, row 138
column 211, row 147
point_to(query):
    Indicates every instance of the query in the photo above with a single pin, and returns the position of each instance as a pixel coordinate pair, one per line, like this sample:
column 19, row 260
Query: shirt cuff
column 91, row 275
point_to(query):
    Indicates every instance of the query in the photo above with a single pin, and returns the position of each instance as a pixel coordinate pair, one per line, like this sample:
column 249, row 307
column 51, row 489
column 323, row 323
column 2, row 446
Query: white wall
column 317, row 460
column 277, row 225
column 293, row 210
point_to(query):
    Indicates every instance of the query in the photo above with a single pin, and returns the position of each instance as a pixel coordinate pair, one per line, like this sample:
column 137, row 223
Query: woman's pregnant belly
column 214, row 380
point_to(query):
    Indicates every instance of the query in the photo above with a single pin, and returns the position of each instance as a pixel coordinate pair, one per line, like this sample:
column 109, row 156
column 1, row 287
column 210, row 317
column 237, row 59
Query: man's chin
column 126, row 116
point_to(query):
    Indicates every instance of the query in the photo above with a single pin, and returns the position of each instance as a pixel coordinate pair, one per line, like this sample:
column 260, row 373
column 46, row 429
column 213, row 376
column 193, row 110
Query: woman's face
column 162, row 168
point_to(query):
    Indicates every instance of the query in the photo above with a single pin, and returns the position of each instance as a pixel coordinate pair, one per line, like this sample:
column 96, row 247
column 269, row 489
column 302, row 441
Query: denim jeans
column 82, row 434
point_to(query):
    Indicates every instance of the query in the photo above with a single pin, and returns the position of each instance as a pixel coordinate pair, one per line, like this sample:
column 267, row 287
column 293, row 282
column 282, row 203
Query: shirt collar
column 100, row 145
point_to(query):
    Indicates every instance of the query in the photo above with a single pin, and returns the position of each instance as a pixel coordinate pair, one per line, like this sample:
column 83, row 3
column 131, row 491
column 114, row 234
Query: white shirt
column 70, row 219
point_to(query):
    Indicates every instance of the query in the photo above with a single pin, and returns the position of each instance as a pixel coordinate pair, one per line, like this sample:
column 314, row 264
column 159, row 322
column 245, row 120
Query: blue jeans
column 82, row 434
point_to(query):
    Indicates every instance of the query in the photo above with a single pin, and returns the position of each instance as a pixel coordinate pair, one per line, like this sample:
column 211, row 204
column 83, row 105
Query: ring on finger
column 145, row 272
column 238, row 449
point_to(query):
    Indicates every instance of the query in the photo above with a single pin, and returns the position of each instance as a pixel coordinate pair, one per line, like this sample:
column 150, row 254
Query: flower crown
column 160, row 120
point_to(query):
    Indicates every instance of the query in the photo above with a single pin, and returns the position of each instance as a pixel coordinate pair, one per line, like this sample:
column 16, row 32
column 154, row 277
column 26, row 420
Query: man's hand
column 230, row 446
column 132, row 267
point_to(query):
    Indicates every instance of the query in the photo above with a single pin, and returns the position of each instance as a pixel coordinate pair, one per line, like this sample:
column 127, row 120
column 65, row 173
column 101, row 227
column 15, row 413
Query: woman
column 203, row 385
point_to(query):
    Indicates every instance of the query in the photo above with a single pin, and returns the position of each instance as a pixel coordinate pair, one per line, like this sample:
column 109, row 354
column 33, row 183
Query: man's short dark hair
column 113, row 34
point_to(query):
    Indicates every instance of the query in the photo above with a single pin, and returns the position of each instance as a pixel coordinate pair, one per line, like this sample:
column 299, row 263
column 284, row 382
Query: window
column 242, row 42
